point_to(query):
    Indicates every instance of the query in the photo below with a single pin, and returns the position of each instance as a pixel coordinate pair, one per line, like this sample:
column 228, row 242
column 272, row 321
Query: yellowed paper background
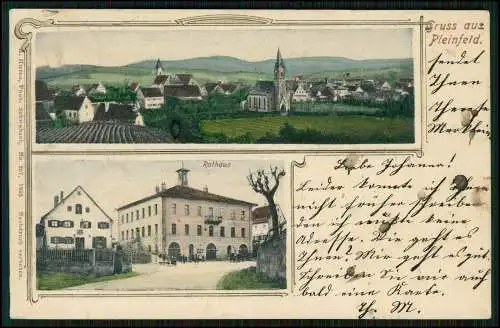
column 435, row 157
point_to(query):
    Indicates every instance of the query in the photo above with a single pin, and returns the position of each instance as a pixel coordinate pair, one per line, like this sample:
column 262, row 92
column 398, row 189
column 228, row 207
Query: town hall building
column 185, row 221
column 269, row 96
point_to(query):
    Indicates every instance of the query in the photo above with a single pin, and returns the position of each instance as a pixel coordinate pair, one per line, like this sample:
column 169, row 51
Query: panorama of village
column 175, row 107
column 179, row 236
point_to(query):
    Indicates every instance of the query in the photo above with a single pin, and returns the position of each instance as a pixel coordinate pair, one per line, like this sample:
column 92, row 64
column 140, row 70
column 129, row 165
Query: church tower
column 158, row 68
column 281, row 97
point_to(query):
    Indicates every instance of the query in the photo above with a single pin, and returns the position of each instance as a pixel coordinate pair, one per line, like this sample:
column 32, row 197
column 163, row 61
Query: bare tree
column 266, row 183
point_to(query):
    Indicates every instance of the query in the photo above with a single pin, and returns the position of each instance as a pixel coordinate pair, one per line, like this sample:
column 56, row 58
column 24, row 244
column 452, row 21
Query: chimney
column 61, row 197
column 205, row 189
column 56, row 200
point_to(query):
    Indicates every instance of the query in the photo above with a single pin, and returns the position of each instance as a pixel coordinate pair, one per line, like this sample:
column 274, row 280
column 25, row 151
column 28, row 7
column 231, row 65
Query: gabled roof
column 262, row 87
column 228, row 87
column 68, row 102
column 160, row 79
column 184, row 77
column 151, row 92
column 185, row 192
column 71, row 193
column 182, row 91
column 386, row 85
column 116, row 112
column 210, row 87
column 261, row 214
column 314, row 87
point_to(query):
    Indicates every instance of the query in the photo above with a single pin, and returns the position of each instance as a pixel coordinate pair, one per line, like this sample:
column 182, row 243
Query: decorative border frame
column 224, row 20
column 25, row 53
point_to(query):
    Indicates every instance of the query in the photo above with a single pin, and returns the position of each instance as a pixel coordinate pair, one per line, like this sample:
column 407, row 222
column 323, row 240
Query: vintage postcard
column 183, row 164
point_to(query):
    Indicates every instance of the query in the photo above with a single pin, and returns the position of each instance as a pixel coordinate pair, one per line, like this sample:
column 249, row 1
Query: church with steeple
column 271, row 96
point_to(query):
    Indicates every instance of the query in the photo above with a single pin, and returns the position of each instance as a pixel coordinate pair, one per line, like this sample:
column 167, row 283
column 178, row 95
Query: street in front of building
column 187, row 276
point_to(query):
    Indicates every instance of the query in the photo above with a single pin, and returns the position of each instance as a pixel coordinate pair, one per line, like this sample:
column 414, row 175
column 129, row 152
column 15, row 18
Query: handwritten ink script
column 396, row 233
column 458, row 95
column 397, row 236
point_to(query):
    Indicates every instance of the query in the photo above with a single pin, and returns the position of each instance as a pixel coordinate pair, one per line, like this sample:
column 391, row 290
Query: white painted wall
column 94, row 215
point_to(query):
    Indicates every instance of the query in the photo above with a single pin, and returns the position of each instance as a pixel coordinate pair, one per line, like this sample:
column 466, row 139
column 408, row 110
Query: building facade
column 76, row 221
column 75, row 108
column 262, row 222
column 184, row 221
column 150, row 98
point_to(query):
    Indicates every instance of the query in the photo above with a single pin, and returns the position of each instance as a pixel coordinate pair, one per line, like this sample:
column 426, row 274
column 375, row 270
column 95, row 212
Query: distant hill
column 294, row 66
column 46, row 72
column 215, row 68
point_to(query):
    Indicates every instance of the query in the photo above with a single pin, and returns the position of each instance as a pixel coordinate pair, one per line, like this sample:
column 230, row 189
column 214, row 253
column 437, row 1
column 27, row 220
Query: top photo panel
column 209, row 86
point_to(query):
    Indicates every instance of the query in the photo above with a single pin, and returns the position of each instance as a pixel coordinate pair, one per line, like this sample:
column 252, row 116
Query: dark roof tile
column 262, row 87
column 261, row 214
column 115, row 112
column 68, row 102
column 151, row 92
column 184, row 77
column 210, row 87
column 185, row 192
column 161, row 79
column 182, row 91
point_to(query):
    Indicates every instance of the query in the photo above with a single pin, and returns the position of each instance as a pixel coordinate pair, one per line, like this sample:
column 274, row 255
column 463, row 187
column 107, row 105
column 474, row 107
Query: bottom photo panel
column 159, row 225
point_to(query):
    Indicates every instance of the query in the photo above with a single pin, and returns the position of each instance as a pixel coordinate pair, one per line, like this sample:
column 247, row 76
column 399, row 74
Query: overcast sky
column 117, row 48
column 115, row 182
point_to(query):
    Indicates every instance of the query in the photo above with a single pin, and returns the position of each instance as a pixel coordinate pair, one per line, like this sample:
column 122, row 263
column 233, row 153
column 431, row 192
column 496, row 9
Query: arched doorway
column 243, row 250
column 229, row 251
column 211, row 252
column 191, row 251
column 174, row 250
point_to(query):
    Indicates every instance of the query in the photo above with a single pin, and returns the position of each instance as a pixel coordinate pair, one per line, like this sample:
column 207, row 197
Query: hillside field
column 366, row 127
column 123, row 75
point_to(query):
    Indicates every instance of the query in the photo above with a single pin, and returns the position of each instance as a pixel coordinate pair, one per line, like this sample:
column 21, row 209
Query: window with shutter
column 53, row 223
column 68, row 224
column 103, row 225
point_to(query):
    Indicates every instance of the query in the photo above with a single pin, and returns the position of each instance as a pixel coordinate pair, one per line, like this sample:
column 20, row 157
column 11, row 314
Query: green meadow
column 363, row 126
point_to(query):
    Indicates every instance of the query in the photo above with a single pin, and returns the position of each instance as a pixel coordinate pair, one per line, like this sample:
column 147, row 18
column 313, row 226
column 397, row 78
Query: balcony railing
column 210, row 219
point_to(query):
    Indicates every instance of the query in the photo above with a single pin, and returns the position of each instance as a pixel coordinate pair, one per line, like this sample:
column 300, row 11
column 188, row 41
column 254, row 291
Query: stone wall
column 271, row 258
column 100, row 268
